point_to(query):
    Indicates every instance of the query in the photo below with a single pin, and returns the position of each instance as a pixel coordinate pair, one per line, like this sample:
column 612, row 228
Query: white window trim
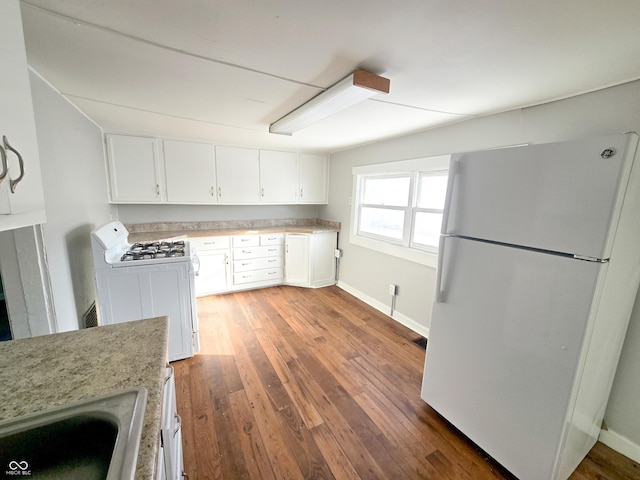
column 407, row 252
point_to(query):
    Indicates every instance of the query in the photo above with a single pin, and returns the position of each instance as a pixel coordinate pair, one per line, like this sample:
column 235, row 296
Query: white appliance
column 136, row 281
column 538, row 270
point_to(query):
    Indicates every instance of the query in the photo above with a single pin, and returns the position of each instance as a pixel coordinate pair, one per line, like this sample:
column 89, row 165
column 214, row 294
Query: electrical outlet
column 393, row 289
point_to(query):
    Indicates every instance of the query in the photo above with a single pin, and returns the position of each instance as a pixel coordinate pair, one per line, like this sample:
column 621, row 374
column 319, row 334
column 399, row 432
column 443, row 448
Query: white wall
column 210, row 213
column 613, row 110
column 75, row 191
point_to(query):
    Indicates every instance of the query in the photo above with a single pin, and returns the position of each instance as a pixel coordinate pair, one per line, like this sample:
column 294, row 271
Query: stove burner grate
column 148, row 251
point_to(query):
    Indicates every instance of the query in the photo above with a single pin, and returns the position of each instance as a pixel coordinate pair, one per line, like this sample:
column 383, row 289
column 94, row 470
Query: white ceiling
column 223, row 70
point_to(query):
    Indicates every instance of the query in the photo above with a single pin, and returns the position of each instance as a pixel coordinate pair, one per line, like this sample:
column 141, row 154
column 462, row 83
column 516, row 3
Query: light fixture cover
column 358, row 86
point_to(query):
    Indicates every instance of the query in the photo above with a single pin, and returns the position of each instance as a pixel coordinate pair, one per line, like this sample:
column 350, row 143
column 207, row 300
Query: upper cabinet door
column 190, row 172
column 238, row 175
column 314, row 178
column 21, row 194
column 278, row 177
column 134, row 169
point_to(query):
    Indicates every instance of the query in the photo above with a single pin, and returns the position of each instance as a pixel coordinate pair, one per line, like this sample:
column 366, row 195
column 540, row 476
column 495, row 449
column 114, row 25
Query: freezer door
column 563, row 197
column 504, row 349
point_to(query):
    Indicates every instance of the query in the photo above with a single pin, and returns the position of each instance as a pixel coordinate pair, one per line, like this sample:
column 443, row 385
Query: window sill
column 411, row 254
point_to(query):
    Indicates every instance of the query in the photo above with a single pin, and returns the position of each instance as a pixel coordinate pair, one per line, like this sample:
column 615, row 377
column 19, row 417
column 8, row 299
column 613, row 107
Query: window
column 398, row 207
column 384, row 207
column 427, row 218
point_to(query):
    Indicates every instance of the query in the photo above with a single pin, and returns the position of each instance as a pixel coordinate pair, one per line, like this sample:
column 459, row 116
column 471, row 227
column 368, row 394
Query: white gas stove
column 142, row 280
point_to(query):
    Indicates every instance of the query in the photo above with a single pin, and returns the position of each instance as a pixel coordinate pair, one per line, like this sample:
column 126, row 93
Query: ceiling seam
column 152, row 43
column 158, row 113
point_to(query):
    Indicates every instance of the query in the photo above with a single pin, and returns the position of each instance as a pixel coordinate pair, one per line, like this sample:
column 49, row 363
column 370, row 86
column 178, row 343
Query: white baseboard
column 386, row 309
column 620, row 444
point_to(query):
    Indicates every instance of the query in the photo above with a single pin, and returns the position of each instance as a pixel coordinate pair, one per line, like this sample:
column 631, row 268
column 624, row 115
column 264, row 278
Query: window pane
column 433, row 189
column 427, row 228
column 391, row 191
column 381, row 221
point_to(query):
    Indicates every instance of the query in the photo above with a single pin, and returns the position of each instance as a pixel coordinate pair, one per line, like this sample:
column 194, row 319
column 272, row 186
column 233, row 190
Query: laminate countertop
column 152, row 236
column 43, row 372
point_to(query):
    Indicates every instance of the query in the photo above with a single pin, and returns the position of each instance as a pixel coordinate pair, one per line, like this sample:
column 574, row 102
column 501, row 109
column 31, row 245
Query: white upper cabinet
column 21, row 194
column 134, row 169
column 314, row 178
column 238, row 175
column 151, row 170
column 190, row 172
column 278, row 177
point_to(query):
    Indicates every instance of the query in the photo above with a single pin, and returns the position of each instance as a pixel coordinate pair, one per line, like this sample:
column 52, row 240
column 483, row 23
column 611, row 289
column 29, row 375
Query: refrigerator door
column 563, row 197
column 504, row 348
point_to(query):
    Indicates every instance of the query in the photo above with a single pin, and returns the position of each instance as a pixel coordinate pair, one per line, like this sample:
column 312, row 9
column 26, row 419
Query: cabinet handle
column 5, row 167
column 168, row 377
column 247, row 251
column 262, row 192
column 300, row 193
column 14, row 182
column 271, row 260
column 245, row 239
column 247, row 276
column 245, row 264
column 179, row 426
column 272, row 273
column 213, row 191
column 219, row 191
column 272, row 249
column 157, row 190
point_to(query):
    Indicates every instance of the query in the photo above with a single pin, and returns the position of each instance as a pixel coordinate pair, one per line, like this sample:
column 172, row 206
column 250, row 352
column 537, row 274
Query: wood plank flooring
column 294, row 383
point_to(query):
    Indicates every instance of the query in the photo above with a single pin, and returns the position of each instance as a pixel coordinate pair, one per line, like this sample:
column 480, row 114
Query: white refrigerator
column 539, row 266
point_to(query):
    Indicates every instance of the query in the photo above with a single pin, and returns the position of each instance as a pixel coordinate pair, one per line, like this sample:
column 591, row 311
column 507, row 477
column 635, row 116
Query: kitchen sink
column 97, row 438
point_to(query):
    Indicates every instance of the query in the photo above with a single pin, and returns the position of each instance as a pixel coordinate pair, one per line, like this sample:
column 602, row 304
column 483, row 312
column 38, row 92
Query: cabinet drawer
column 272, row 239
column 274, row 274
column 245, row 241
column 256, row 264
column 202, row 244
column 257, row 252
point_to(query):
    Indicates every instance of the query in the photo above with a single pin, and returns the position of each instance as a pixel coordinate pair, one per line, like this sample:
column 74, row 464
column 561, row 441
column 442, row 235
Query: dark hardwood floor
column 295, row 383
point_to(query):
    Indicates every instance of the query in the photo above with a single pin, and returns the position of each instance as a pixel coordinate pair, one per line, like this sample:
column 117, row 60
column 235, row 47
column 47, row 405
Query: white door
column 190, row 171
column 561, row 197
column 213, row 275
column 238, row 175
column 278, row 177
column 314, row 178
column 504, row 348
column 17, row 124
column 296, row 259
column 134, row 169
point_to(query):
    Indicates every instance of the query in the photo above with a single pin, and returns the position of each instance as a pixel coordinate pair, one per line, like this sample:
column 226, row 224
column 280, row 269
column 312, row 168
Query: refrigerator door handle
column 453, row 172
column 439, row 294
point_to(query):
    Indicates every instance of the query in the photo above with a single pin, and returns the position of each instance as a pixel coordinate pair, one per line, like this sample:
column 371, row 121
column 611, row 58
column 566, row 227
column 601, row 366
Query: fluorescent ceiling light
column 358, row 86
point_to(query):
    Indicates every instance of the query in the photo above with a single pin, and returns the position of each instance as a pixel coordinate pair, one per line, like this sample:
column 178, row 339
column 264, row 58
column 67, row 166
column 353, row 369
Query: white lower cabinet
column 170, row 459
column 257, row 260
column 310, row 259
column 214, row 273
column 242, row 262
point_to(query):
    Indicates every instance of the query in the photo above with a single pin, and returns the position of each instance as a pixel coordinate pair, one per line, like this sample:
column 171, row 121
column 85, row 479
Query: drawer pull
column 245, row 264
column 247, row 251
column 272, row 260
column 272, row 273
column 247, row 276
column 245, row 239
column 272, row 249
